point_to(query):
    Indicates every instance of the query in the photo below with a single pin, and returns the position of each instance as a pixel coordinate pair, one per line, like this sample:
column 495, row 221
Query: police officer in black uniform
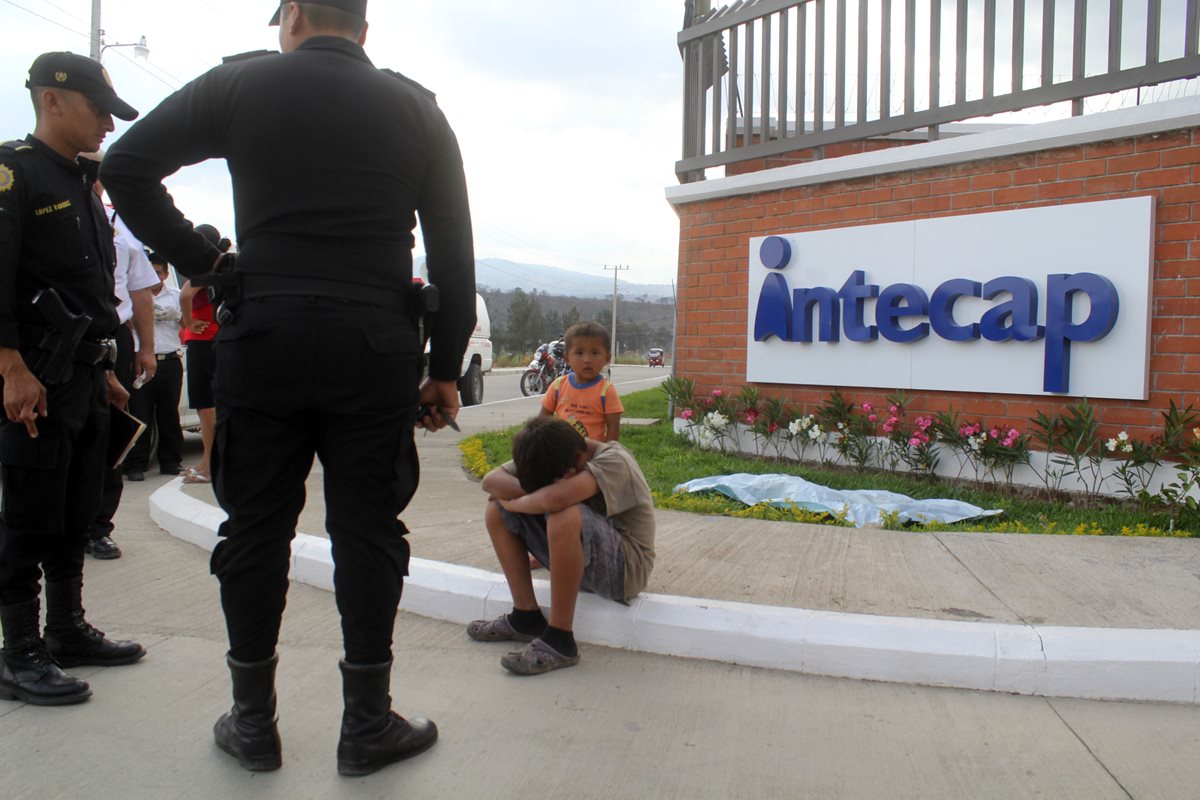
column 332, row 162
column 56, row 248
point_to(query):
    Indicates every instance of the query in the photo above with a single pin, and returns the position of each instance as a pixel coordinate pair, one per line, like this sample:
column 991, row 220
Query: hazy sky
column 567, row 112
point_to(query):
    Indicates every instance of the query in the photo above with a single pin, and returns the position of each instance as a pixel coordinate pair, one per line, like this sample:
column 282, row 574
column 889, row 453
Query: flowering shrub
column 869, row 434
column 805, row 432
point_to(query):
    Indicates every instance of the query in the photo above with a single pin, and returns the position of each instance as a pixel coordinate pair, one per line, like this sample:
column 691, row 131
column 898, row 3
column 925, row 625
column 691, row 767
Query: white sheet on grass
column 862, row 506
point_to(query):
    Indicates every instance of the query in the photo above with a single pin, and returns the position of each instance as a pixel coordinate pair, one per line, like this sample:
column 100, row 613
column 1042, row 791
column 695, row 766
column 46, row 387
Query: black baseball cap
column 356, row 7
column 80, row 74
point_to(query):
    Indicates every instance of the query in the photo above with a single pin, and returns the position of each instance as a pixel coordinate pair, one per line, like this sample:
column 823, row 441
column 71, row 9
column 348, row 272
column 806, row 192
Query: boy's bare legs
column 564, row 530
column 514, row 559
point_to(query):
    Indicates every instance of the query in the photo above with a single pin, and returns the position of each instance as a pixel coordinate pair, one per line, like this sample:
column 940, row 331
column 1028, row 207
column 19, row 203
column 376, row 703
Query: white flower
column 814, row 432
column 795, row 427
column 1127, row 448
column 716, row 421
column 1111, row 444
column 841, row 426
column 1123, row 436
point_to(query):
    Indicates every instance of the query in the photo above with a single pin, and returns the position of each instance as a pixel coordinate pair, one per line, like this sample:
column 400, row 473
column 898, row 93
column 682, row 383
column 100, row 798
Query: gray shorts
column 603, row 558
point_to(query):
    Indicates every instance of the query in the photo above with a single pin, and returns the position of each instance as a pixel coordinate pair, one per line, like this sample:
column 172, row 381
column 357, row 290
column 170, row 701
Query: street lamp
column 140, row 50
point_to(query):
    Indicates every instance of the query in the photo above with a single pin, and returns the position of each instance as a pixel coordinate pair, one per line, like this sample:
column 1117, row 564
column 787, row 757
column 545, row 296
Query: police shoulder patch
column 7, row 178
column 249, row 55
column 412, row 83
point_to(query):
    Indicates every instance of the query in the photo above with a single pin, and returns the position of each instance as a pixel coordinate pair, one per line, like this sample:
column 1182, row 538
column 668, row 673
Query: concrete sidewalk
column 623, row 724
column 1061, row 616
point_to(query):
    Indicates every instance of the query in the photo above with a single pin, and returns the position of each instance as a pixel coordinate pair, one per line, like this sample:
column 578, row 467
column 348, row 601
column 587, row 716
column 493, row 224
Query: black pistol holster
column 61, row 341
column 224, row 285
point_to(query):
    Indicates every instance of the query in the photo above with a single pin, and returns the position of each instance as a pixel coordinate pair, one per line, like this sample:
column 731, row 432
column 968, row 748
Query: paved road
column 501, row 385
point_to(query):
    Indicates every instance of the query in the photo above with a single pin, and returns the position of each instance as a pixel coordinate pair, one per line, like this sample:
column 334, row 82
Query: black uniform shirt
column 53, row 234
column 332, row 162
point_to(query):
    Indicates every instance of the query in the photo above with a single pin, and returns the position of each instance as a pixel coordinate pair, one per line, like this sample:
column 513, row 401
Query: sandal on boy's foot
column 496, row 630
column 536, row 658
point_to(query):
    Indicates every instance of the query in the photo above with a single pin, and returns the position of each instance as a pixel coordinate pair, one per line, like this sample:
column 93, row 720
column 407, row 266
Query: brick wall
column 714, row 248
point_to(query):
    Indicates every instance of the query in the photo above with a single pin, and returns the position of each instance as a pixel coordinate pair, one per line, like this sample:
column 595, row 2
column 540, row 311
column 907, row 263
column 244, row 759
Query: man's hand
column 145, row 366
column 442, row 399
column 117, row 395
column 196, row 326
column 24, row 394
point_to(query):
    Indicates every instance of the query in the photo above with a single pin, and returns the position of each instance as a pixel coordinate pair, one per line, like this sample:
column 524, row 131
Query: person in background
column 157, row 402
column 584, row 393
column 199, row 336
column 134, row 280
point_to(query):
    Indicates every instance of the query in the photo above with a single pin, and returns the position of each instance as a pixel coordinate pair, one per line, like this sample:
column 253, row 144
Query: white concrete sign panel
column 1039, row 301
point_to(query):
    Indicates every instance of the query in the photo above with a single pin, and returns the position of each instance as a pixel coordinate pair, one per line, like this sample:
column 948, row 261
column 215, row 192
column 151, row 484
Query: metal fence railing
column 765, row 77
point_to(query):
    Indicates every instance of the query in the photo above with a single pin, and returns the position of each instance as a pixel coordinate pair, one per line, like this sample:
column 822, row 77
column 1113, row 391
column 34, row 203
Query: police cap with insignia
column 79, row 74
column 356, row 7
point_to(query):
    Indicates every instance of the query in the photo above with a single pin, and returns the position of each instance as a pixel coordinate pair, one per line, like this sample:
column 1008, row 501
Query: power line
column 163, row 81
column 68, row 13
column 87, row 36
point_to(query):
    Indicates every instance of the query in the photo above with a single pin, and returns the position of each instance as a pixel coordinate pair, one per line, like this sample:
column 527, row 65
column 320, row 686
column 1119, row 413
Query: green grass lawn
column 669, row 460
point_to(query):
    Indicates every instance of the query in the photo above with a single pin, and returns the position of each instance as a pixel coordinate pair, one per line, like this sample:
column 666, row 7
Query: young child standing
column 583, row 393
column 584, row 509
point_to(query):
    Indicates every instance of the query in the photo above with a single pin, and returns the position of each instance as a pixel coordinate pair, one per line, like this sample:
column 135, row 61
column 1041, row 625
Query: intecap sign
column 1036, row 301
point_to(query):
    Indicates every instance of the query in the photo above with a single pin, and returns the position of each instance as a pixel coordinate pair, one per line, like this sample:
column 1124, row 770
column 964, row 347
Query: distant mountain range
column 502, row 275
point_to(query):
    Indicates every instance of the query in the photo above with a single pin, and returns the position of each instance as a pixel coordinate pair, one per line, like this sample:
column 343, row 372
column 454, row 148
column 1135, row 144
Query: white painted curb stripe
column 1093, row 663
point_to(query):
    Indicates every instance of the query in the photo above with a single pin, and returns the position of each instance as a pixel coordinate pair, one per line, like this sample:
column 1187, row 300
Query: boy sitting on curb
column 583, row 509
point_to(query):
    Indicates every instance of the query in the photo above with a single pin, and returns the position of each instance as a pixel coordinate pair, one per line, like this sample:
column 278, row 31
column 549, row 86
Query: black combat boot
column 248, row 732
column 72, row 640
column 27, row 672
column 373, row 735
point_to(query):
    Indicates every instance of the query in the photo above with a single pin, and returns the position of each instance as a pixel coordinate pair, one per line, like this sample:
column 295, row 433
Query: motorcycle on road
column 549, row 361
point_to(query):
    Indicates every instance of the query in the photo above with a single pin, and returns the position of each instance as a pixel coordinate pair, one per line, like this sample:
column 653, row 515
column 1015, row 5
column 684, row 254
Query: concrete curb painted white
column 1122, row 123
column 1092, row 663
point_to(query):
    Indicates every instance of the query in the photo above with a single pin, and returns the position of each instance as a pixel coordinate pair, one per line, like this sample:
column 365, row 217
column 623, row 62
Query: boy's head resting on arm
column 546, row 449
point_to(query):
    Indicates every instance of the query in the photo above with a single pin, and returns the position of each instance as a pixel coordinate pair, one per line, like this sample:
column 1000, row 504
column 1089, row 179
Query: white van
column 478, row 359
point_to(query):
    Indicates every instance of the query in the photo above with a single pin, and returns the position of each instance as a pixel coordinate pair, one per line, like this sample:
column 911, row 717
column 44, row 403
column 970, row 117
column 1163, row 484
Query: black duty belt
column 259, row 286
column 166, row 356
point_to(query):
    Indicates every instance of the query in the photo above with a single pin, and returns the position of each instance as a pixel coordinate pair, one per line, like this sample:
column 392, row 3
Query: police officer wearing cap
column 332, row 163
column 57, row 317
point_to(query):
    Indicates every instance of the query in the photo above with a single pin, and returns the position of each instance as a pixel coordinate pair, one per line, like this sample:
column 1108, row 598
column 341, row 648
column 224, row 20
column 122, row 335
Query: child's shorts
column 603, row 558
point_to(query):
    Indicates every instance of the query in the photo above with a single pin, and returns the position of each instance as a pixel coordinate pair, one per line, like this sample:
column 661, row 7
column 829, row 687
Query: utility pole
column 97, row 34
column 616, row 270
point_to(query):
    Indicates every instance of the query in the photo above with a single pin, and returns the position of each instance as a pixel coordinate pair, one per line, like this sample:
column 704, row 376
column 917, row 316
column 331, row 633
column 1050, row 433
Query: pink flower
column 772, row 428
column 872, row 417
column 924, row 423
column 893, row 408
column 1012, row 433
column 751, row 416
column 718, row 393
column 914, row 441
column 890, row 425
column 867, row 407
column 687, row 414
column 994, row 433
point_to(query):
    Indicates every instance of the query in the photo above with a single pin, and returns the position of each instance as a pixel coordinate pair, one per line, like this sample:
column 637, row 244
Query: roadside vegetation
column 669, row 459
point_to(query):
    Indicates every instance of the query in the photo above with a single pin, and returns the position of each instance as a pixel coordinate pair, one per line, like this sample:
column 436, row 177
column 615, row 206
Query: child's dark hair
column 589, row 330
column 544, row 450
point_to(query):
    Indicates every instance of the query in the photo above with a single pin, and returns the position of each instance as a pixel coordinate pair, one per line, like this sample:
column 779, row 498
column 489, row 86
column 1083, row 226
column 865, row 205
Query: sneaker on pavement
column 536, row 658
column 103, row 548
column 496, row 630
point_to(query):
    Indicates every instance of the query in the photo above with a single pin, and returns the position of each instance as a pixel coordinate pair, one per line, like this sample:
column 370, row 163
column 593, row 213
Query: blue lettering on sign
column 790, row 314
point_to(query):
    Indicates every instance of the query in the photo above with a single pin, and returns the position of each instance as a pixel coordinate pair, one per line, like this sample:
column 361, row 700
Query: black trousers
column 51, row 486
column 300, row 377
column 157, row 405
column 113, row 485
